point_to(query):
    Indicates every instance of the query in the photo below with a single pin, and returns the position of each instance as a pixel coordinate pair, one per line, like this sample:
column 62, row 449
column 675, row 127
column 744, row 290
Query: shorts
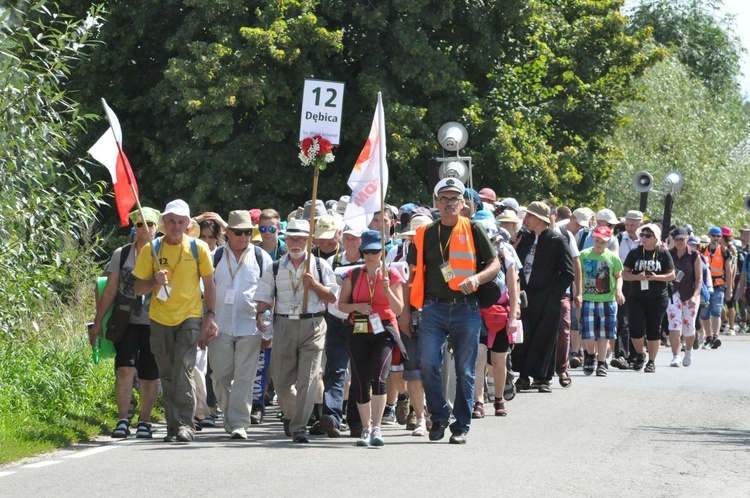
column 715, row 304
column 598, row 320
column 412, row 366
column 501, row 343
column 134, row 350
column 681, row 315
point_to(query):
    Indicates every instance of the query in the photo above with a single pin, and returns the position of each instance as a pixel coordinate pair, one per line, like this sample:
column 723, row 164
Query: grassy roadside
column 51, row 393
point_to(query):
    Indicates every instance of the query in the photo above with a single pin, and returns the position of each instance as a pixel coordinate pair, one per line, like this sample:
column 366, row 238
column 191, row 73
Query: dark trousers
column 334, row 374
column 371, row 356
column 535, row 357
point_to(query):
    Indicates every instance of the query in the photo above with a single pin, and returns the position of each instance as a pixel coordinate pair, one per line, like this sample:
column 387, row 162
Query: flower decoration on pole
column 316, row 151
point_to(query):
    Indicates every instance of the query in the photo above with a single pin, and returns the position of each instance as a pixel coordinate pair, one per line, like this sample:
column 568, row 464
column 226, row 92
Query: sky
column 741, row 10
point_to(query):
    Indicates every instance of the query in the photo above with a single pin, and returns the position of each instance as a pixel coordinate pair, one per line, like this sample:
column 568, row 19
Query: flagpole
column 316, row 172
column 154, row 256
column 381, row 161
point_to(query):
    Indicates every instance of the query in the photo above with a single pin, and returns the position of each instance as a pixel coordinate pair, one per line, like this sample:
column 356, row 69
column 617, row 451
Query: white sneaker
column 421, row 429
column 732, row 330
column 376, row 438
column 609, row 356
column 239, row 433
column 675, row 361
column 364, row 439
column 688, row 359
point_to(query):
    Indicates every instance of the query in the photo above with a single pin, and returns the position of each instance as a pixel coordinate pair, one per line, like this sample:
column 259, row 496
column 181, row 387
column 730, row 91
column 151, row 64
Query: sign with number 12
column 322, row 103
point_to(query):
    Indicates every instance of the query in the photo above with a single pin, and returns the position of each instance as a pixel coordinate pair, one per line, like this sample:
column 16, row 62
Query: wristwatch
column 211, row 312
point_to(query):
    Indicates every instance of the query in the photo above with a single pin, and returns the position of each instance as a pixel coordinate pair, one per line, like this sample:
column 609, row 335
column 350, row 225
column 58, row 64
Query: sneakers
column 256, row 414
column 650, row 367
column 437, row 432
column 122, row 430
column 588, row 364
column 458, row 438
column 209, row 421
column 601, row 369
column 238, row 433
column 688, row 359
column 184, row 435
column 709, row 342
column 638, row 362
column 499, row 407
column 143, row 431
column 715, row 342
column 364, row 438
column 478, row 411
column 402, row 409
column 411, row 421
column 619, row 362
column 421, row 428
column 575, row 360
column 675, row 361
column 389, row 415
column 376, row 438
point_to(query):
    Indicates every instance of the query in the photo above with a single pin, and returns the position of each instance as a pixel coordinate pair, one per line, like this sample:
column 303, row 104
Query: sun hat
column 583, row 215
column 298, row 228
column 240, row 219
column 540, row 210
column 651, row 226
column 150, row 214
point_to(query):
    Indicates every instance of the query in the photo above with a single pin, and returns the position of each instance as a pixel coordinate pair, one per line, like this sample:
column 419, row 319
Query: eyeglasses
column 267, row 229
column 449, row 200
column 150, row 224
column 647, row 235
column 716, row 236
column 240, row 233
column 371, row 251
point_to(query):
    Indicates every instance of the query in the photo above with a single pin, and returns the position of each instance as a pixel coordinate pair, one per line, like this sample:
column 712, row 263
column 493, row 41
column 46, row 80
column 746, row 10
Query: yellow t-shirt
column 183, row 274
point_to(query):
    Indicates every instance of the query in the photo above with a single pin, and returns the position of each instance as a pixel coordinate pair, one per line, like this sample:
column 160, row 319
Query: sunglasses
column 371, row 251
column 716, row 236
column 150, row 224
column 267, row 229
column 647, row 235
column 240, row 233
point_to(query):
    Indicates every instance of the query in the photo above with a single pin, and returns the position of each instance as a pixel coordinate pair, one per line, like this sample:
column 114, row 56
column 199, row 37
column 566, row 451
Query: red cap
column 487, row 195
column 726, row 232
column 603, row 233
column 255, row 215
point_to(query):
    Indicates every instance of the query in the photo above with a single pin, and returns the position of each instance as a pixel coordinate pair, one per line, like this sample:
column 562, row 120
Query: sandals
column 565, row 380
column 143, row 431
column 478, row 411
column 500, row 410
column 122, row 430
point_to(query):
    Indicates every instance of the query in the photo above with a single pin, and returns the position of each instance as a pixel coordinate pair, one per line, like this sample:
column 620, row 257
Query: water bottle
column 267, row 322
column 95, row 351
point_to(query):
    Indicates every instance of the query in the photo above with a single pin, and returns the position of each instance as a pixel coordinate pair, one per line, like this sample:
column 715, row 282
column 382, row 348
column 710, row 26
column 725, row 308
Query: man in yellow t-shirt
column 178, row 322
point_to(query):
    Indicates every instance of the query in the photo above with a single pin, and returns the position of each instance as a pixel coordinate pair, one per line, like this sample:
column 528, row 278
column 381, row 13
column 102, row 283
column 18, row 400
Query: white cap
column 449, row 184
column 607, row 215
column 583, row 215
column 177, row 207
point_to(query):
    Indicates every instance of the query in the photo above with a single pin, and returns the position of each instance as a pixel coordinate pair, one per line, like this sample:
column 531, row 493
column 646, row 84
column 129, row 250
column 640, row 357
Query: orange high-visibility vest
column 716, row 264
column 461, row 255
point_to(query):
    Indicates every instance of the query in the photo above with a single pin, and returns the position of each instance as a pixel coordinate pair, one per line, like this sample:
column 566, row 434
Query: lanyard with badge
column 165, row 291
column 295, row 307
column 231, row 292
column 644, row 283
column 445, row 268
column 361, row 321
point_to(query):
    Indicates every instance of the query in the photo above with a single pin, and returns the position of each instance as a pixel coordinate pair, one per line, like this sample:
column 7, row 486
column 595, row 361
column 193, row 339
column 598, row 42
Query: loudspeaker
column 643, row 181
column 452, row 136
column 673, row 181
column 746, row 204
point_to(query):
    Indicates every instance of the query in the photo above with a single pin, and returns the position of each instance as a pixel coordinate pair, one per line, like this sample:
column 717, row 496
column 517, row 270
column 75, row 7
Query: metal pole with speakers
column 673, row 182
column 643, row 182
column 452, row 137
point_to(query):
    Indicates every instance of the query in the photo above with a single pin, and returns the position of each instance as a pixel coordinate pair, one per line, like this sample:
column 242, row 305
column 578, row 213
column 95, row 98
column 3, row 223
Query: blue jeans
column 460, row 323
column 334, row 374
column 715, row 304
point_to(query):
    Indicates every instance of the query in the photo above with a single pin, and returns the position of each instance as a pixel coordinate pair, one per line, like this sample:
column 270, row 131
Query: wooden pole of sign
column 316, row 172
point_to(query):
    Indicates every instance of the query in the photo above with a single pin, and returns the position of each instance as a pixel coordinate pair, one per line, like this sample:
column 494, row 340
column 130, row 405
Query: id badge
column 164, row 292
column 229, row 296
column 644, row 285
column 360, row 325
column 377, row 323
column 294, row 312
column 447, row 271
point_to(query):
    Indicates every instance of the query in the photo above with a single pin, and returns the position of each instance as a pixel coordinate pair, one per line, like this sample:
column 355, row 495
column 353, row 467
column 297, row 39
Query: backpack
column 258, row 258
column 276, row 272
column 491, row 292
column 193, row 249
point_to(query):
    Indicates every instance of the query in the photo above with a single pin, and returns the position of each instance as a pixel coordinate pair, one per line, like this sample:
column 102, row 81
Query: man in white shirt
column 235, row 351
column 299, row 333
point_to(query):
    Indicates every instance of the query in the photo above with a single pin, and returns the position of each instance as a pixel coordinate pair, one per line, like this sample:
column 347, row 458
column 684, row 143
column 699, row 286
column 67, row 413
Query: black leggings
column 370, row 356
column 645, row 316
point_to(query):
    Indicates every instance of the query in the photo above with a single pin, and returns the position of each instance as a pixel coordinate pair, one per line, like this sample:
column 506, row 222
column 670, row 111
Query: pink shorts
column 681, row 315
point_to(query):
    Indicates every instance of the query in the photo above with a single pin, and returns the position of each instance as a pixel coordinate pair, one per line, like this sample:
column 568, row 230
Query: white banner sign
column 322, row 103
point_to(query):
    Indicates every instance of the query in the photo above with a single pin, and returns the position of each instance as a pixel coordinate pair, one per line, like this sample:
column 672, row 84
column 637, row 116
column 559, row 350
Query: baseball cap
column 352, row 231
column 483, row 215
column 583, row 215
column 607, row 215
column 177, row 207
column 326, row 227
column 603, row 233
column 449, row 185
column 487, row 195
column 714, row 231
column 679, row 233
column 693, row 240
column 511, row 203
column 727, row 232
column 371, row 240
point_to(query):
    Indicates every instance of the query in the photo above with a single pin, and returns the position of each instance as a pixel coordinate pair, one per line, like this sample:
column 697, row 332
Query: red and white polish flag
column 108, row 151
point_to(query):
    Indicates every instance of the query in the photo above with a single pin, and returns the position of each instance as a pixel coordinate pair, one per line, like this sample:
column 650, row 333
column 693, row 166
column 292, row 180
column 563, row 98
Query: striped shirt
column 289, row 289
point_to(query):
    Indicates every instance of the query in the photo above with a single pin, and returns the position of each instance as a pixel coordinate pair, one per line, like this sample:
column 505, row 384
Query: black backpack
column 258, row 257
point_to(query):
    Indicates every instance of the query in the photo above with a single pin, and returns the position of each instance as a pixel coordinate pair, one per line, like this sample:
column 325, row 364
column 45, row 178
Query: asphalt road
column 679, row 432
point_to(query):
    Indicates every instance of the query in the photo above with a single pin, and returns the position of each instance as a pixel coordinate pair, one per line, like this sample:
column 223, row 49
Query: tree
column 702, row 40
column 678, row 125
column 46, row 200
column 211, row 91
